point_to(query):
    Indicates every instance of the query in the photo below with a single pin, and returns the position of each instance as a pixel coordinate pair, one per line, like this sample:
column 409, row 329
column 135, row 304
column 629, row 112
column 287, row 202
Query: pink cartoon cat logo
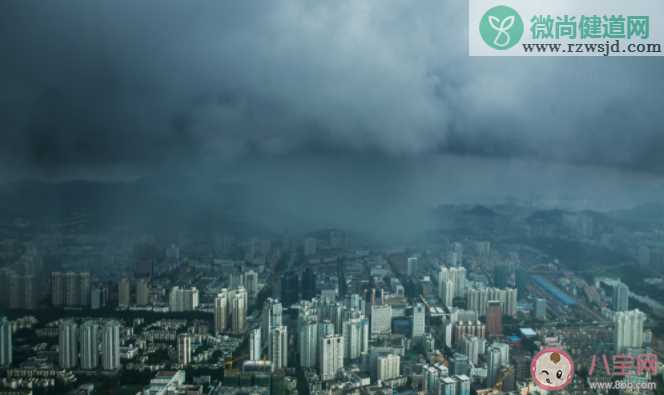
column 552, row 369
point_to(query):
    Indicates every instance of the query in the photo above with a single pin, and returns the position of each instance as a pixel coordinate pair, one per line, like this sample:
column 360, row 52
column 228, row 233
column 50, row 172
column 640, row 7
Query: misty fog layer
column 347, row 112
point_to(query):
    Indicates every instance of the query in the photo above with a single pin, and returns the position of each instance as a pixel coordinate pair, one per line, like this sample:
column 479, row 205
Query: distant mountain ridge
column 648, row 212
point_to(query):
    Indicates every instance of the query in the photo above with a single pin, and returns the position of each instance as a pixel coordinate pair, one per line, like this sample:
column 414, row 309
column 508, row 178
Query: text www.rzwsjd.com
column 604, row 49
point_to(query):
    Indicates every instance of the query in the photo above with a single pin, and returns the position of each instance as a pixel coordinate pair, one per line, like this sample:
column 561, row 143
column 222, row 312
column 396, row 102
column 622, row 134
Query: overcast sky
column 124, row 88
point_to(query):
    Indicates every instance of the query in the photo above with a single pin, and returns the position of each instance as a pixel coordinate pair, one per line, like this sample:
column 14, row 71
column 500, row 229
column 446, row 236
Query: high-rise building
column 89, row 345
column 142, row 292
column 57, row 289
column 411, row 265
column 183, row 299
column 463, row 315
column 6, row 344
column 329, row 295
column 540, row 309
column 504, row 353
column 418, row 323
column 190, row 299
column 473, row 347
column 355, row 302
column 124, row 292
column 375, row 296
column 278, row 347
column 458, row 275
column 443, row 277
column 255, row 345
column 381, row 319
column 431, row 375
column 331, row 356
column 68, row 344
column 448, row 386
column 25, row 287
column 429, row 343
column 84, row 283
column 237, row 302
column 334, row 312
column 184, row 349
column 447, row 293
column 251, row 284
column 521, row 365
column 98, row 297
column 463, row 384
column 494, row 318
column 271, row 318
column 111, row 346
column 308, row 339
column 620, row 297
column 509, row 307
column 176, row 299
column 221, row 311
column 459, row 364
column 325, row 328
column 494, row 363
column 464, row 329
column 628, row 330
column 356, row 338
column 455, row 257
column 477, row 299
column 70, row 289
column 350, row 312
column 447, row 329
column 388, row 367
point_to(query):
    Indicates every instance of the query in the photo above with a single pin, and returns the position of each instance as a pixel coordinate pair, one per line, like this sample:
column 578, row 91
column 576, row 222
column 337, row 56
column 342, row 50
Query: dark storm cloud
column 115, row 83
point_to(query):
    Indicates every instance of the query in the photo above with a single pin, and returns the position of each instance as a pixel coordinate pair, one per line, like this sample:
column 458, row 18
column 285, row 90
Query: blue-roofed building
column 554, row 291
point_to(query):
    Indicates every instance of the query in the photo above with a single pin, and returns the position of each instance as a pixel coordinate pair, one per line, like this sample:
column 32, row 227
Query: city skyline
column 328, row 198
